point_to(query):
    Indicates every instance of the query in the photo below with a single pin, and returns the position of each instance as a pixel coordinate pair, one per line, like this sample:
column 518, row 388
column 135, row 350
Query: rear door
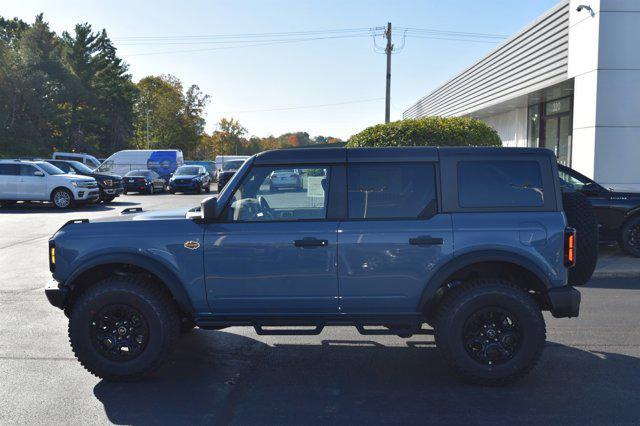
column 394, row 238
column 9, row 176
column 274, row 253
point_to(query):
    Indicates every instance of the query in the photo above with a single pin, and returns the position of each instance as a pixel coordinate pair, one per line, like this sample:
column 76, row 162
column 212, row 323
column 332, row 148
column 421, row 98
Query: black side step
column 260, row 330
column 410, row 330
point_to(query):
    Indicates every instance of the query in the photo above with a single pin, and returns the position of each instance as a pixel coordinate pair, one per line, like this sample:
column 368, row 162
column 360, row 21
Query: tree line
column 71, row 92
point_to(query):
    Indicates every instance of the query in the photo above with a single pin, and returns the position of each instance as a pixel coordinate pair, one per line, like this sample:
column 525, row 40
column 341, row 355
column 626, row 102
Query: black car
column 190, row 179
column 618, row 213
column 110, row 185
column 144, row 181
column 228, row 170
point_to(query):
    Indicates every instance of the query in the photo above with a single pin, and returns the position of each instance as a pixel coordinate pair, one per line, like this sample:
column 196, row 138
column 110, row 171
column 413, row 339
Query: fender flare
column 166, row 276
column 459, row 262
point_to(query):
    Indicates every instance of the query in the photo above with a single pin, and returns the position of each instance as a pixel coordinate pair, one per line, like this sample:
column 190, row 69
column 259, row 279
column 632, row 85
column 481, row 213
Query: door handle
column 425, row 240
column 310, row 242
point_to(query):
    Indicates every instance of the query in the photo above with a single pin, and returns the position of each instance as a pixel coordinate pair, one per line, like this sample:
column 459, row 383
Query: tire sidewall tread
column 460, row 302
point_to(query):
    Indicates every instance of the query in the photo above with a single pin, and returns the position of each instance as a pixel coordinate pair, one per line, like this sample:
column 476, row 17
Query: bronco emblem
column 192, row 245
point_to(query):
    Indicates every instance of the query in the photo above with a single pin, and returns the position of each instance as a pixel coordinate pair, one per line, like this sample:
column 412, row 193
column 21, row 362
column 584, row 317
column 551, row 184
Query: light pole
column 148, row 110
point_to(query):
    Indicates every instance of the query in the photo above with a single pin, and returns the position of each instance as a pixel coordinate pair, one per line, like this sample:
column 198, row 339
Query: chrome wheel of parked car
column 62, row 198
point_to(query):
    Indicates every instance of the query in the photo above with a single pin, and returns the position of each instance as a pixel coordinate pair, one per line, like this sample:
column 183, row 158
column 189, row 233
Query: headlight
column 107, row 182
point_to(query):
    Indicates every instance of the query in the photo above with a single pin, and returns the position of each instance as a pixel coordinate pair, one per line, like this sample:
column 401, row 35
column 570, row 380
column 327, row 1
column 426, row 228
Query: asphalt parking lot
column 589, row 372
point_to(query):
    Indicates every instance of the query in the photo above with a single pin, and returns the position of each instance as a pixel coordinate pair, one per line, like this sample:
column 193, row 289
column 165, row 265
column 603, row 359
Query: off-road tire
column 186, row 325
column 172, row 191
column 198, row 189
column 62, row 191
column 108, row 199
column 463, row 301
column 625, row 236
column 582, row 217
column 207, row 188
column 154, row 305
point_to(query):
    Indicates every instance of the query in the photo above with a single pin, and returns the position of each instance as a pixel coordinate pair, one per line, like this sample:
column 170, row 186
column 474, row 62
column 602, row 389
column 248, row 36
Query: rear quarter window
column 500, row 184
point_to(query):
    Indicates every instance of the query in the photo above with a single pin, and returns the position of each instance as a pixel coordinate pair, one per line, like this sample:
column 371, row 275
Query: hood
column 77, row 178
column 227, row 173
column 624, row 195
column 105, row 176
column 153, row 215
column 185, row 176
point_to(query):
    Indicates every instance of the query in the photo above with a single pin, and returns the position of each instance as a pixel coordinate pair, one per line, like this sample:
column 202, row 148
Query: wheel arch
column 61, row 187
column 97, row 268
column 487, row 263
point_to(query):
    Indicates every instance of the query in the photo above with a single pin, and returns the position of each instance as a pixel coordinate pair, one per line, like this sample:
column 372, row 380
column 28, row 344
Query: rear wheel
column 62, row 198
column 489, row 331
column 630, row 236
column 123, row 328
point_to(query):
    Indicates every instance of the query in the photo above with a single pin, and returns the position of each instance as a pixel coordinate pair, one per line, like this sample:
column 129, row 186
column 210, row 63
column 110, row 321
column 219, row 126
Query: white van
column 162, row 161
column 87, row 159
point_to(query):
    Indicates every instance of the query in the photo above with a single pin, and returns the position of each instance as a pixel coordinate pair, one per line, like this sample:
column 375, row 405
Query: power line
column 300, row 106
column 248, row 35
column 454, row 39
column 451, row 33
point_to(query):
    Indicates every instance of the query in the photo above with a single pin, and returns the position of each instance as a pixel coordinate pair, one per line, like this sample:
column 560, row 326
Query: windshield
column 185, row 171
column 232, row 165
column 93, row 161
column 81, row 168
column 50, row 168
column 140, row 173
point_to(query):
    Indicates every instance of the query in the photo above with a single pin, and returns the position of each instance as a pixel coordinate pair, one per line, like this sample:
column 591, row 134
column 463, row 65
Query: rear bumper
column 56, row 294
column 564, row 301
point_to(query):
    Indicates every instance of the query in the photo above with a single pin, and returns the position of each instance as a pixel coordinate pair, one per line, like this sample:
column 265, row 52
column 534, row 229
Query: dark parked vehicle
column 190, row 179
column 144, row 181
column 209, row 165
column 110, row 185
column 370, row 244
column 228, row 170
column 618, row 213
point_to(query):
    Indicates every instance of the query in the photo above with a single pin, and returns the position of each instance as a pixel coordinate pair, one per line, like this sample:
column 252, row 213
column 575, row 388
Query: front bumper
column 185, row 186
column 564, row 302
column 56, row 294
column 86, row 194
column 115, row 191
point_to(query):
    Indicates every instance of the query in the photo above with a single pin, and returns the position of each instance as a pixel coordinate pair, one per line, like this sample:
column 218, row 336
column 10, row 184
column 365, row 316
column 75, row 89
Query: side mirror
column 209, row 207
column 591, row 188
column 38, row 173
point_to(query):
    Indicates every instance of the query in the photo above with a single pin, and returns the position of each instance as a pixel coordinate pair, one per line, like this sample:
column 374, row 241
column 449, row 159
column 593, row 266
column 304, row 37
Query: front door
column 557, row 132
column 30, row 186
column 394, row 240
column 274, row 252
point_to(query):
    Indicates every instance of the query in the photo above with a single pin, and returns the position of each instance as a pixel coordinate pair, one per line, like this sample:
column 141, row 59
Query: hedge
column 428, row 131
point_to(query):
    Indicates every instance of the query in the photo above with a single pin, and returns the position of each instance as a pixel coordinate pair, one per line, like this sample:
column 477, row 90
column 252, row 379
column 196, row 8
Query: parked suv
column 471, row 241
column 41, row 181
column 110, row 185
column 190, row 179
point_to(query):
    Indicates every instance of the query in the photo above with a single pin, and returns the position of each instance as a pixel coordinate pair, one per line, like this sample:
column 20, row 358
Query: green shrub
column 428, row 131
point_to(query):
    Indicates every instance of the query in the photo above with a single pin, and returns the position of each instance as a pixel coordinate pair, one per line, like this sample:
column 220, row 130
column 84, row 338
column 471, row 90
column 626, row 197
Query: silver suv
column 40, row 181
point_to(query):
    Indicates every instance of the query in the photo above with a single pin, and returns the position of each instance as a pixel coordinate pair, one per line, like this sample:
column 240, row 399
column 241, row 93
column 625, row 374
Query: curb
column 616, row 274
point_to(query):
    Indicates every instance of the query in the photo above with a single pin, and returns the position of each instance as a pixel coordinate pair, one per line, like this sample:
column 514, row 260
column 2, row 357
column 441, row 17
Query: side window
column 27, row 170
column 9, row 170
column 384, row 191
column 500, row 184
column 570, row 181
column 272, row 193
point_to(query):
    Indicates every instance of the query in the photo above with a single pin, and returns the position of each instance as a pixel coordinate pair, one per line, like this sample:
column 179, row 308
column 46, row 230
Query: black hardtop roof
column 393, row 154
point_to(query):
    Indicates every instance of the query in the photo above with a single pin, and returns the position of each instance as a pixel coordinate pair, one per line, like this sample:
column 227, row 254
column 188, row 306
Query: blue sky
column 242, row 80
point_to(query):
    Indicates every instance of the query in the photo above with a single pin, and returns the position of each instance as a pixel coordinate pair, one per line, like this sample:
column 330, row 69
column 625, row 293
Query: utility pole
column 148, row 128
column 388, row 50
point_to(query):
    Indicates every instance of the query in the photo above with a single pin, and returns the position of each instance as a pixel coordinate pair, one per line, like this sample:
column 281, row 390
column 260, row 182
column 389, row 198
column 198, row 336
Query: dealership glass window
column 557, row 106
column 384, row 191
column 533, row 126
column 500, row 184
column 271, row 193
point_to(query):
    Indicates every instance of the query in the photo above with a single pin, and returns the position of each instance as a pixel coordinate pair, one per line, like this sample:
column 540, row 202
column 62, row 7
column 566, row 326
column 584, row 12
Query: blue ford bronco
column 467, row 244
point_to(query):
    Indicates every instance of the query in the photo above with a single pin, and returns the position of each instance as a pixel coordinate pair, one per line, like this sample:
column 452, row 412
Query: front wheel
column 490, row 332
column 630, row 236
column 62, row 198
column 123, row 328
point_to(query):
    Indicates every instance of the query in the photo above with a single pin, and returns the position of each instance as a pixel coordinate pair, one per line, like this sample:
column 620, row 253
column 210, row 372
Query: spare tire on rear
column 581, row 216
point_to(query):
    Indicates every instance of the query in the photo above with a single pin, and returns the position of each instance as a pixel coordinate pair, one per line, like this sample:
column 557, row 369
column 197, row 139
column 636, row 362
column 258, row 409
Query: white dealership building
column 569, row 81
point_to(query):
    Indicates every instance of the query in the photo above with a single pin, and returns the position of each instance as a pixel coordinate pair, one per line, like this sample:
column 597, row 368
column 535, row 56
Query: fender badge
column 192, row 245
